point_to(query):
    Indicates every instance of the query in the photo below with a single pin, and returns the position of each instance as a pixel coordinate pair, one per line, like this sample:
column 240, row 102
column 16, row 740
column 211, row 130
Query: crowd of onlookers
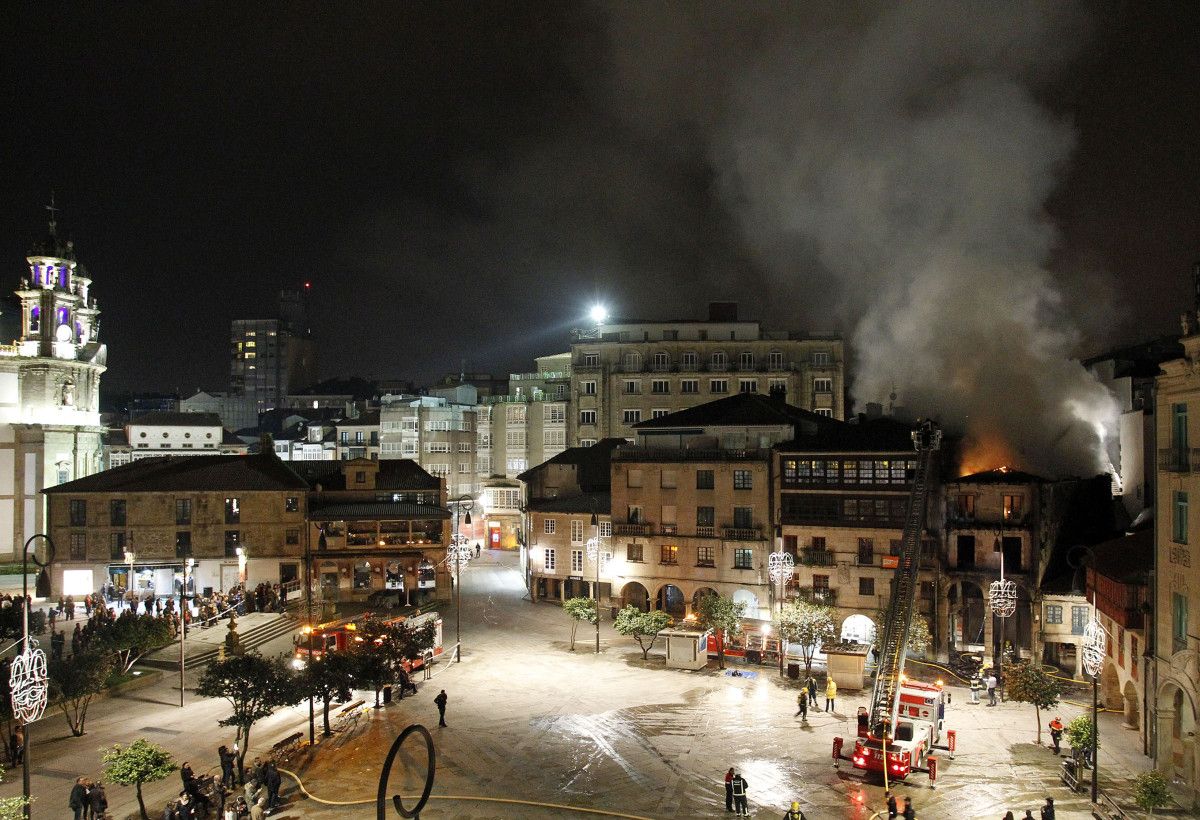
column 221, row 796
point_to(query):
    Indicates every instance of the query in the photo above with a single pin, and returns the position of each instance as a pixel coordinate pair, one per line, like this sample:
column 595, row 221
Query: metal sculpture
column 431, row 770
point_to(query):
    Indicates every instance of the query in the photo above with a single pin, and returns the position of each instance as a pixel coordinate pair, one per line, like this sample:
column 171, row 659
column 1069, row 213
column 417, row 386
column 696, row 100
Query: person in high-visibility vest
column 739, row 795
column 830, row 693
column 1056, row 732
column 794, row 812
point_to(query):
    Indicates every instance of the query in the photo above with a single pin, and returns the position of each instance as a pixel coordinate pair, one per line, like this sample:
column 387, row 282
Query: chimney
column 874, row 410
column 722, row 311
column 778, row 395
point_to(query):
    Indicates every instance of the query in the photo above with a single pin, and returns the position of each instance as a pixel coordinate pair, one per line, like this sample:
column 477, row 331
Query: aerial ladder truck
column 905, row 719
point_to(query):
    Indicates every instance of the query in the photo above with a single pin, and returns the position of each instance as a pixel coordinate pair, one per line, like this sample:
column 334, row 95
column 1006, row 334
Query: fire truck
column 340, row 635
column 906, row 718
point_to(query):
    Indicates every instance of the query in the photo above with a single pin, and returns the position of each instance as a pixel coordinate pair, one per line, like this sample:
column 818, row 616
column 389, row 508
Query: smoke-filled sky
column 971, row 192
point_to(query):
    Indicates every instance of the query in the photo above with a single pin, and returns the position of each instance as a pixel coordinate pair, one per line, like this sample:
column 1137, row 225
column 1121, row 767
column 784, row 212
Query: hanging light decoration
column 1095, row 643
column 780, row 566
column 28, row 683
column 1002, row 597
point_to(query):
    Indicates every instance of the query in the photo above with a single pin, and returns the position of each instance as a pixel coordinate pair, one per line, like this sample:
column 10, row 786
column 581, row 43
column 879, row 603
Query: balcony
column 992, row 523
column 1175, row 460
column 810, row 557
column 825, row 597
column 668, row 529
column 741, row 533
column 632, row 529
column 705, row 532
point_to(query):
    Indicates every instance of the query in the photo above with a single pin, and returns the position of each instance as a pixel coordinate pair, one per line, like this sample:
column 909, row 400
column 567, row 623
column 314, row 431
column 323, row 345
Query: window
column 866, row 586
column 688, row 360
column 662, row 361
column 588, row 388
column 78, row 512
column 631, row 416
column 513, row 414
column 743, row 558
column 743, row 480
column 669, row 554
column 591, row 359
column 291, row 504
column 116, row 546
column 747, row 385
column 660, row 386
column 512, row 438
column 1179, row 516
column 1179, row 431
column 464, row 468
column 554, row 438
column 866, row 551
column 743, row 518
column 746, row 361
column 1012, row 507
column 576, row 561
column 587, row 442
column 820, row 358
column 439, row 446
column 632, row 387
column 549, row 525
column 587, row 416
column 706, row 517
column 668, row 479
column 658, row 413
column 718, row 385
column 775, row 360
column 966, row 505
column 555, row 413
column 633, row 553
column 704, row 480
column 632, row 361
column 464, row 447
column 706, row 556
column 576, row 531
column 78, row 546
column 821, row 583
column 233, row 511
column 1179, row 622
column 183, row 544
column 633, row 514
column 822, row 385
column 233, row 540
column 634, row 478
column 818, row 542
column 689, row 386
column 827, row 412
column 116, row 513
column 1079, row 619
column 606, row 529
column 718, row 360
column 550, row 562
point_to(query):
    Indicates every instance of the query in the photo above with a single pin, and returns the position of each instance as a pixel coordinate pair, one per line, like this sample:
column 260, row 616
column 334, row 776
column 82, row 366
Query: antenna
column 53, row 215
column 892, row 401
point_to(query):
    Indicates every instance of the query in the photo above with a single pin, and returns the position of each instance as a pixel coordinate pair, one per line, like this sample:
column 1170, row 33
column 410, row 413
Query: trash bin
column 794, row 671
column 387, row 694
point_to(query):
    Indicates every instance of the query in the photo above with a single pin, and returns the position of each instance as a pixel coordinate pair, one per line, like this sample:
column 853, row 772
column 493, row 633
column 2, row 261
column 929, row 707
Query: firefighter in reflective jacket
column 794, row 812
column 739, row 795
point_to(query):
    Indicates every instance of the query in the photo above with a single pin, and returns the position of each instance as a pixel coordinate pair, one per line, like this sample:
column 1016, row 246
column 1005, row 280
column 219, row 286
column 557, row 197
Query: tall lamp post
column 1092, row 652
column 594, row 553
column 460, row 555
column 183, row 620
column 129, row 585
column 28, row 680
column 1003, row 599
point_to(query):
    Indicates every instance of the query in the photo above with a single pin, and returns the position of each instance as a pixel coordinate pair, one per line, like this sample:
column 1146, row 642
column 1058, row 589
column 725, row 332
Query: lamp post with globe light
column 594, row 553
column 460, row 554
column 1092, row 652
column 28, row 681
column 1002, row 597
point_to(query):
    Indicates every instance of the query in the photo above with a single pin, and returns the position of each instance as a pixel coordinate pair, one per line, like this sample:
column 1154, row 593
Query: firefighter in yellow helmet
column 794, row 812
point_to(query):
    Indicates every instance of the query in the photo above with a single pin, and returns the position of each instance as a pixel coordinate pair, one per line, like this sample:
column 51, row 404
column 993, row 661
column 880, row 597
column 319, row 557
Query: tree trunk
column 141, row 802
column 1038, row 710
column 574, row 626
column 377, row 697
column 325, row 717
column 720, row 648
column 244, row 731
column 645, row 649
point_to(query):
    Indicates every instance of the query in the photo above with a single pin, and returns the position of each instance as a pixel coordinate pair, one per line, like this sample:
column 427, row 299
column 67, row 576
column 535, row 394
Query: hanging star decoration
column 780, row 566
column 28, row 683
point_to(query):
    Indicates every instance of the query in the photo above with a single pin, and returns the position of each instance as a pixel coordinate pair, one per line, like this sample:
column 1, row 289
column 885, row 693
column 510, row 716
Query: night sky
column 460, row 180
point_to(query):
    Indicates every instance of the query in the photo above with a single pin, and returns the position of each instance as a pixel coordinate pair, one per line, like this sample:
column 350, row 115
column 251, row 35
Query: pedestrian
column 169, row 810
column 226, row 765
column 909, row 812
column 803, row 701
column 1056, row 732
column 794, row 812
column 1008, row 815
column 186, row 810
column 98, row 800
column 58, row 642
column 864, row 722
column 991, row 689
column 830, row 693
column 1048, row 809
column 478, row 549
column 739, row 795
column 78, row 797
column 258, row 811
column 440, row 700
column 976, row 687
column 892, row 809
column 274, row 781
column 729, row 789
column 812, row 692
column 1028, row 815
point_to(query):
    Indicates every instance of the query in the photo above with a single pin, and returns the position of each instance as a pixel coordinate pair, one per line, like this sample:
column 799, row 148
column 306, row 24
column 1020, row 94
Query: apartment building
column 170, row 433
column 438, row 435
column 844, row 494
column 627, row 372
column 272, row 357
column 358, row 436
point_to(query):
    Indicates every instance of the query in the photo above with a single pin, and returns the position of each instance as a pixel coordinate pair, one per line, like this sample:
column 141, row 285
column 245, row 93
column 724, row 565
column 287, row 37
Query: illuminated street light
column 1002, row 597
column 183, row 610
column 593, row 551
column 598, row 314
column 460, row 553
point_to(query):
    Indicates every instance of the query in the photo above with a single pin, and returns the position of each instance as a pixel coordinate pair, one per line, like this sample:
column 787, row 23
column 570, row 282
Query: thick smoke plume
column 901, row 152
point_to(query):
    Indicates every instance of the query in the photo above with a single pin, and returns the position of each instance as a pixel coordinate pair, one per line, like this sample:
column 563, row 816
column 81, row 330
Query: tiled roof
column 743, row 409
column 376, row 510
column 593, row 463
column 369, row 418
column 1001, row 475
column 600, row 502
column 189, row 473
column 167, row 418
column 394, row 474
column 879, row 435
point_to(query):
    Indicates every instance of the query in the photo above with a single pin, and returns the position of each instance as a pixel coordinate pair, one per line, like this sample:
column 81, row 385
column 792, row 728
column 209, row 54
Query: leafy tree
column 327, row 677
column 1151, row 791
column 371, row 667
column 74, row 681
column 919, row 637
column 254, row 686
column 1032, row 684
column 643, row 627
column 1079, row 735
column 13, row 808
column 579, row 609
column 723, row 616
column 132, row 636
column 139, row 762
column 809, row 625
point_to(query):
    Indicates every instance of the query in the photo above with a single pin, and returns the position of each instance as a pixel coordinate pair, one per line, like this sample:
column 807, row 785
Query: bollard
column 837, row 752
column 932, row 761
column 951, row 737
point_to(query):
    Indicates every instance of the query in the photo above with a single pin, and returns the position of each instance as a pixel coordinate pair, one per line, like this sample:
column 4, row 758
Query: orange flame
column 984, row 452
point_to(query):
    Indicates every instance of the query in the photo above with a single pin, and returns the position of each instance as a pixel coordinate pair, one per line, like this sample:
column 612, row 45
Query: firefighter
column 976, row 687
column 1056, row 731
column 739, row 795
column 794, row 812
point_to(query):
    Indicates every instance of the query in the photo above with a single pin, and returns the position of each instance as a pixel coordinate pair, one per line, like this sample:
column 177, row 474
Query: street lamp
column 1003, row 599
column 460, row 554
column 28, row 680
column 129, row 586
column 183, row 613
column 593, row 550
column 598, row 314
column 1092, row 652
column 780, row 566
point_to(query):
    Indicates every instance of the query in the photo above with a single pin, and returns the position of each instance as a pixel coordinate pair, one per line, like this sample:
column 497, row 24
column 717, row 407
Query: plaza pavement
column 530, row 720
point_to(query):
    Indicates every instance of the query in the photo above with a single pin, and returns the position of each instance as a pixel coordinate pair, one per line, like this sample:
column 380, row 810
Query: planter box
column 846, row 663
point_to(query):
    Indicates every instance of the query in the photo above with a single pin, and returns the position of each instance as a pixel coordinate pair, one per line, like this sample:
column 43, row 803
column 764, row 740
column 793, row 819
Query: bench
column 350, row 707
column 284, row 748
column 348, row 716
